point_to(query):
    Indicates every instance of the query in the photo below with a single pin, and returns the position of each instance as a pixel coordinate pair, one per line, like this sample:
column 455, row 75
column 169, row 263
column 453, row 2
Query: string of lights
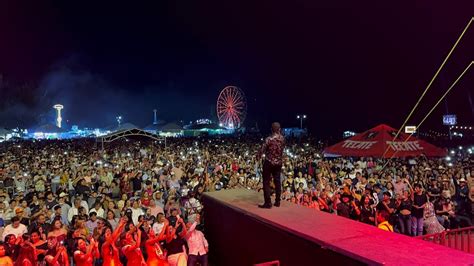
column 462, row 127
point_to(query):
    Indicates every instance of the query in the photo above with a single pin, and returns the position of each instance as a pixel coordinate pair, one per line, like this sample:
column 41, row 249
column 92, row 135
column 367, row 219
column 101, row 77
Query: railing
column 460, row 239
column 270, row 263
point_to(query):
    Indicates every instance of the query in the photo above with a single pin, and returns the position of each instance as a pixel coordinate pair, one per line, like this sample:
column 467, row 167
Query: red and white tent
column 374, row 142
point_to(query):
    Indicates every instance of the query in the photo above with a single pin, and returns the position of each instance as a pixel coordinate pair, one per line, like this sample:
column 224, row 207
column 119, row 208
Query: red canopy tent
column 374, row 142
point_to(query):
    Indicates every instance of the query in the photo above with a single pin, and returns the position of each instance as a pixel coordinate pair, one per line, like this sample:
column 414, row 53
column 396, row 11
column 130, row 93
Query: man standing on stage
column 273, row 151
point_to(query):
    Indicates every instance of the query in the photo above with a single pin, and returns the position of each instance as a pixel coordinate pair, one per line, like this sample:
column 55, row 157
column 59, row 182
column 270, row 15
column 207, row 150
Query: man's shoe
column 265, row 206
column 277, row 204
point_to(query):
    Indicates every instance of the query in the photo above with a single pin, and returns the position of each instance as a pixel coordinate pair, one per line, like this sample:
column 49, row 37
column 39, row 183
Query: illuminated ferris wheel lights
column 231, row 107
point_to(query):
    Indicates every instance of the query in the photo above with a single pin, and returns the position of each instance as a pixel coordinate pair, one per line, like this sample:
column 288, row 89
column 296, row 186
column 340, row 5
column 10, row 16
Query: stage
column 240, row 233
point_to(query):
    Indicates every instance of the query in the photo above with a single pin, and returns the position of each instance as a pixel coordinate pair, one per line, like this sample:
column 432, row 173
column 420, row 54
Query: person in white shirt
column 362, row 164
column 5, row 199
column 197, row 243
column 64, row 208
column 178, row 171
column 20, row 184
column 74, row 210
column 155, row 209
column 159, row 224
column 84, row 204
column 15, row 228
column 136, row 212
column 358, row 169
column 3, row 211
column 300, row 179
column 98, row 210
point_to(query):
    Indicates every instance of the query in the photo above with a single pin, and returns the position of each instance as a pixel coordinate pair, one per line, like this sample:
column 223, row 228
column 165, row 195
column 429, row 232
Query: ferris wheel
column 231, row 107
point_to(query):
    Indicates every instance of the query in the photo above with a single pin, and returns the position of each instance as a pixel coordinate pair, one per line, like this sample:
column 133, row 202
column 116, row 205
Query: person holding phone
column 175, row 243
column 131, row 245
column 156, row 255
column 57, row 254
column 110, row 253
column 84, row 254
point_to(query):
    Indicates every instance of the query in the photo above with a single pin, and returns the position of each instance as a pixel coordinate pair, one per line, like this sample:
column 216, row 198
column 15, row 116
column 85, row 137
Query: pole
column 301, row 122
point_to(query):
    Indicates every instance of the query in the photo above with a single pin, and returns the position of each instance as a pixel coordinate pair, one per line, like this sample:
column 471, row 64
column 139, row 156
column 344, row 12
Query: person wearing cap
column 57, row 213
column 20, row 212
column 461, row 197
column 193, row 206
column 347, row 207
column 64, row 207
column 387, row 204
column 289, row 181
column 300, row 180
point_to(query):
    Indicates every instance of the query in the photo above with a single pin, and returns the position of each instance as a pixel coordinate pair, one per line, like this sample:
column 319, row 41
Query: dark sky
column 346, row 64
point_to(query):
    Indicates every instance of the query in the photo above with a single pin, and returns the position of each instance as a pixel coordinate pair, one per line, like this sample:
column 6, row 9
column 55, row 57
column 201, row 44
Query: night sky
column 345, row 64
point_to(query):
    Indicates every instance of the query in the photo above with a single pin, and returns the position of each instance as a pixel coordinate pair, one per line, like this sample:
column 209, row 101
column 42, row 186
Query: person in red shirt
column 4, row 259
column 84, row 254
column 131, row 246
column 27, row 254
column 145, row 201
column 156, row 255
column 110, row 253
column 235, row 166
column 56, row 254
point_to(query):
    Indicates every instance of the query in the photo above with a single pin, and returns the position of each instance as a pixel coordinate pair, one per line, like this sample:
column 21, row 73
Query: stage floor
column 362, row 242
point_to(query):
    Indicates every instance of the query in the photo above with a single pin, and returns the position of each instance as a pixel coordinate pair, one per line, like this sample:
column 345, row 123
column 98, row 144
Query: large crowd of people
column 138, row 201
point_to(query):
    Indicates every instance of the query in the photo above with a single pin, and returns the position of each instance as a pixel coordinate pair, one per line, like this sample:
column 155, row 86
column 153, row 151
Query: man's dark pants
column 193, row 260
column 271, row 171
